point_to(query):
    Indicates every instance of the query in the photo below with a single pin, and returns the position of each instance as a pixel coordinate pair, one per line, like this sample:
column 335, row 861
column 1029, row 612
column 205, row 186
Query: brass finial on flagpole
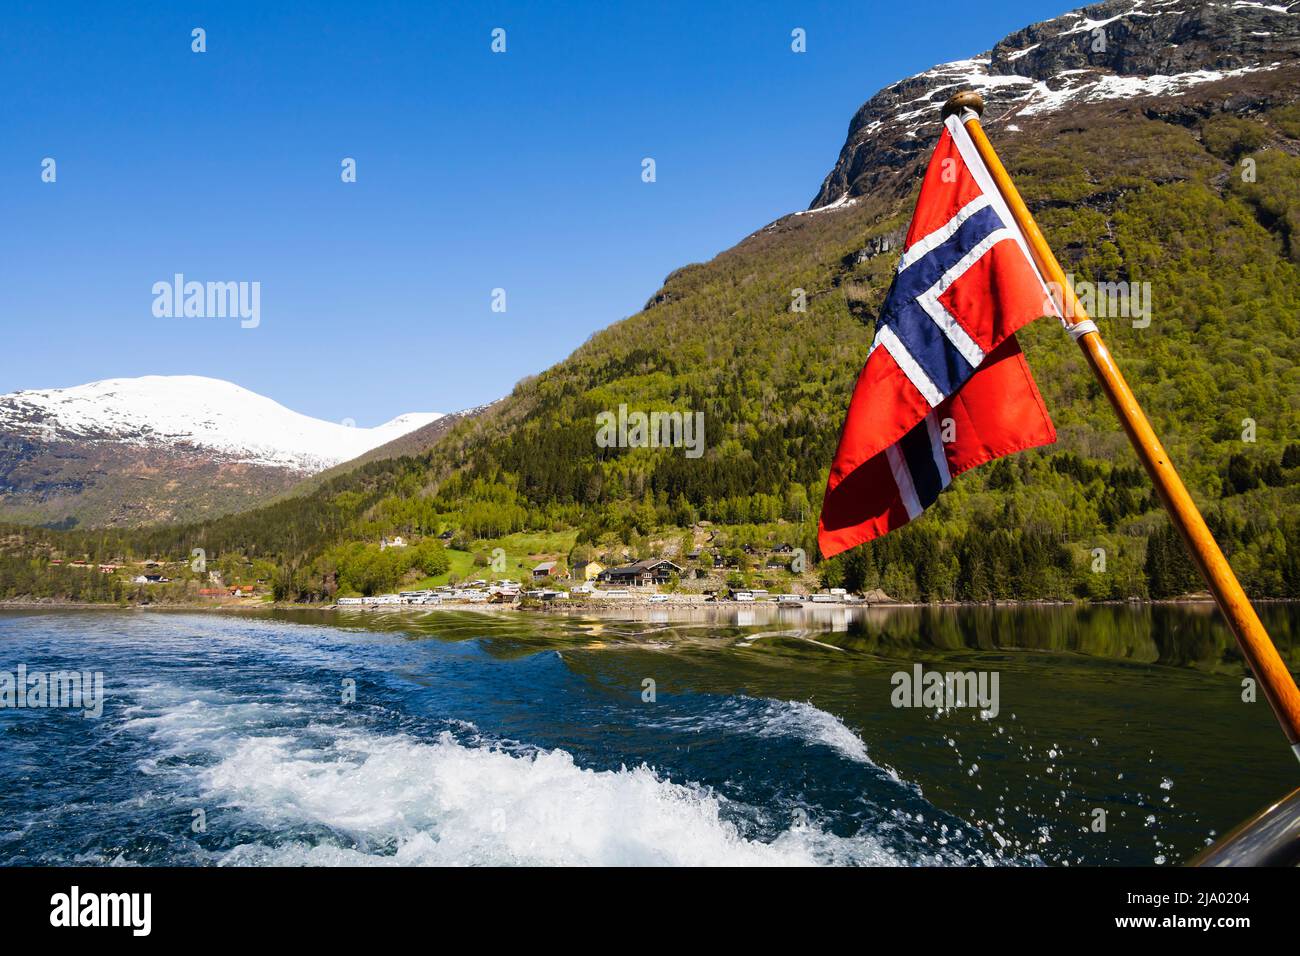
column 1256, row 646
column 966, row 99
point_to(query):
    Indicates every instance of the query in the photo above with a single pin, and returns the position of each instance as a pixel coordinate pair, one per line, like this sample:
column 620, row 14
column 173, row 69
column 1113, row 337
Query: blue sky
column 475, row 171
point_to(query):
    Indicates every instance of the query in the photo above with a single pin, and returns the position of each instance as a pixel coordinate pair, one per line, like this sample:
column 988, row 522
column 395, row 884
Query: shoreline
column 604, row 607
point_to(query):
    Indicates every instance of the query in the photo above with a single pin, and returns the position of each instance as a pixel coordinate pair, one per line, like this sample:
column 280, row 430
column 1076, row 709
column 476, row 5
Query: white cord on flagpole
column 1079, row 329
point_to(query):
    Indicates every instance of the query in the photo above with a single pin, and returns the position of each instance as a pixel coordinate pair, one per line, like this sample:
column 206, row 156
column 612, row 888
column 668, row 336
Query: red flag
column 945, row 387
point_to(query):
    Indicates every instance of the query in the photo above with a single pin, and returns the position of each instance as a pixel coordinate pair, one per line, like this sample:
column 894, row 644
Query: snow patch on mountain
column 194, row 412
column 1115, row 51
column 1037, row 96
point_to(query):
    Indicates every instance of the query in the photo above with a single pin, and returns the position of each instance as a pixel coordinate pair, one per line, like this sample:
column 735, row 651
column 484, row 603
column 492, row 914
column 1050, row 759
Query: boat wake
column 311, row 789
column 400, row 801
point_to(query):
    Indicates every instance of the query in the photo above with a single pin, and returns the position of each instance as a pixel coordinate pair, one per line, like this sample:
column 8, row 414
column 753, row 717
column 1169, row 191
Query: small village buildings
column 592, row 570
column 235, row 591
column 549, row 569
column 647, row 572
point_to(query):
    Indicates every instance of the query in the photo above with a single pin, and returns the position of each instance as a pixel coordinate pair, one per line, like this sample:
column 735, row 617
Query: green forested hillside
column 1122, row 196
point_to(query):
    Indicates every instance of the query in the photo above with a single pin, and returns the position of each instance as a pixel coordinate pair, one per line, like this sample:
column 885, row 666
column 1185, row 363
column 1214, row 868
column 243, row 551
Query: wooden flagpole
column 1255, row 644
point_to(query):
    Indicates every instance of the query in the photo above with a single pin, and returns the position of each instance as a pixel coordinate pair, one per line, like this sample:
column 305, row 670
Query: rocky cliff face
column 1129, row 50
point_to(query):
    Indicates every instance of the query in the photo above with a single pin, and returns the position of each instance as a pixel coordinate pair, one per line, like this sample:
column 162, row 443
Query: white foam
column 403, row 801
column 812, row 725
column 394, row 799
column 798, row 720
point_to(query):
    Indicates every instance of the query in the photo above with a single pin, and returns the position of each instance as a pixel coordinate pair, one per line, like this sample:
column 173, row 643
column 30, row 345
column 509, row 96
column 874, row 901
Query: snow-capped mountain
column 164, row 448
column 198, row 413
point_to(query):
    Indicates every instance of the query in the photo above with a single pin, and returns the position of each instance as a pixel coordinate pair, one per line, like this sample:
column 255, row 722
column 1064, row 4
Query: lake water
column 512, row 738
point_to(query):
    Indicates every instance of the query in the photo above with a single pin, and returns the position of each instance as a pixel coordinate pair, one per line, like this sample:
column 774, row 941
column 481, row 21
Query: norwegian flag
column 945, row 387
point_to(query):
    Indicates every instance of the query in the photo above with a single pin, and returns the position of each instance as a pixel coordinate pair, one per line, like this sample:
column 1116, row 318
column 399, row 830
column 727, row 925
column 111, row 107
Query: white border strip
column 963, row 343
column 936, row 448
column 929, row 299
column 903, row 478
column 915, row 374
column 943, row 233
